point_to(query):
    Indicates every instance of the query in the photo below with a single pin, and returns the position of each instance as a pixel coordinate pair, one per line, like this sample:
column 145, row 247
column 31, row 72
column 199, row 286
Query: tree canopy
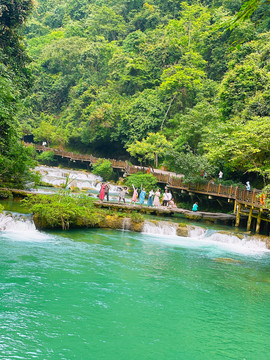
column 108, row 74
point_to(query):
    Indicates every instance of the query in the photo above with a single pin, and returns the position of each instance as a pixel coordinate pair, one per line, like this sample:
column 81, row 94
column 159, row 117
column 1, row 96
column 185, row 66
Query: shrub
column 103, row 168
column 54, row 211
column 147, row 181
column 5, row 194
column 47, row 158
column 136, row 217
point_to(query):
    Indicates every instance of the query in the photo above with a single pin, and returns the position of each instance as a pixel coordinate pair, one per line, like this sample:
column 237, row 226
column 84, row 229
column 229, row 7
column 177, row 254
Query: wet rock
column 239, row 236
column 182, row 230
column 193, row 216
column 228, row 260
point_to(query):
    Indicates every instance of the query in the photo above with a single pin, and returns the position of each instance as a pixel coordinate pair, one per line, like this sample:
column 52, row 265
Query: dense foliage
column 140, row 180
column 15, row 79
column 108, row 73
column 103, row 168
column 64, row 211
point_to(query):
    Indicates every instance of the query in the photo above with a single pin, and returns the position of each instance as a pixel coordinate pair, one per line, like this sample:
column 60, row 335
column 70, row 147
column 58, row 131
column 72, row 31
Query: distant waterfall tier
column 80, row 179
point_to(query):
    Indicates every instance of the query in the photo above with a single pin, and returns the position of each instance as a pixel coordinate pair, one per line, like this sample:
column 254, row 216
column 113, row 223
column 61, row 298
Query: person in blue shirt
column 195, row 207
column 142, row 196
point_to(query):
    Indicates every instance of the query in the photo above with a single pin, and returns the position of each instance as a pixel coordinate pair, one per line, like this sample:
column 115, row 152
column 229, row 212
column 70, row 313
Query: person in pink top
column 156, row 198
column 135, row 195
column 102, row 192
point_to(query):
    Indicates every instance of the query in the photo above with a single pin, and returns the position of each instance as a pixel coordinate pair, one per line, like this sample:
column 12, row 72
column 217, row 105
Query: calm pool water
column 115, row 295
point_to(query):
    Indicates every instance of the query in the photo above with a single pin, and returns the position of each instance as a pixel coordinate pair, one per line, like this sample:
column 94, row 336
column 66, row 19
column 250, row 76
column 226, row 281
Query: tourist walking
column 122, row 195
column 156, row 198
column 142, row 196
column 102, row 192
column 107, row 189
column 220, row 175
column 134, row 196
column 248, row 187
column 150, row 198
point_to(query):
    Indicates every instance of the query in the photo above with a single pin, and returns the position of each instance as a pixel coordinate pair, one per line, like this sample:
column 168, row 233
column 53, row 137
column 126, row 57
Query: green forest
column 180, row 84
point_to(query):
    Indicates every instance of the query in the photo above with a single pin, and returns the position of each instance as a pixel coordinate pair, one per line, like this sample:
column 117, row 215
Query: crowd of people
column 154, row 197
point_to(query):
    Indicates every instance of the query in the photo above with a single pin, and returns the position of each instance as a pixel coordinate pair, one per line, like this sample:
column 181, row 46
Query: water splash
column 196, row 231
column 213, row 242
column 19, row 227
column 160, row 228
column 233, row 243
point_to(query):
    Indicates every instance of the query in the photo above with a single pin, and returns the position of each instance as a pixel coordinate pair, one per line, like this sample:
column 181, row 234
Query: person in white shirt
column 165, row 198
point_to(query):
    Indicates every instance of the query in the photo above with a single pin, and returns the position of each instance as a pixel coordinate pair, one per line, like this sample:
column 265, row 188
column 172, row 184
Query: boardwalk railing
column 251, row 198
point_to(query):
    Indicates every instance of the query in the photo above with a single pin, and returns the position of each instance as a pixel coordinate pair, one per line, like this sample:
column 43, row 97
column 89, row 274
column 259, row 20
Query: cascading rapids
column 80, row 179
column 160, row 228
column 18, row 224
column 200, row 238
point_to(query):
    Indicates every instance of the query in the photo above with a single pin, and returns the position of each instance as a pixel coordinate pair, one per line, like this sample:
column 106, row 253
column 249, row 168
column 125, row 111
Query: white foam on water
column 80, row 179
column 196, row 231
column 20, row 228
column 209, row 241
column 161, row 228
column 233, row 243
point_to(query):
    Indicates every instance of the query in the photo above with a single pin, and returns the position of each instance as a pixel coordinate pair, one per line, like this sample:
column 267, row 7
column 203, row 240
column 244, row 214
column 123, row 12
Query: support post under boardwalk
column 249, row 218
column 258, row 222
column 238, row 207
column 235, row 207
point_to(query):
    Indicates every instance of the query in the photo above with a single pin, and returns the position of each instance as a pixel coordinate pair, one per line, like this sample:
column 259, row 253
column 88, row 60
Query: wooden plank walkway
column 171, row 179
column 166, row 211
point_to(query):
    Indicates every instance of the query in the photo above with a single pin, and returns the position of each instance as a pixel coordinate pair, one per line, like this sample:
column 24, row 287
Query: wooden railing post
column 238, row 210
column 249, row 218
column 258, row 221
column 253, row 196
column 236, row 192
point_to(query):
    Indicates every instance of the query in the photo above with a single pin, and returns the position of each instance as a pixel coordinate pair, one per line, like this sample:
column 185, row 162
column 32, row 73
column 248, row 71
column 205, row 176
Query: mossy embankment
column 62, row 211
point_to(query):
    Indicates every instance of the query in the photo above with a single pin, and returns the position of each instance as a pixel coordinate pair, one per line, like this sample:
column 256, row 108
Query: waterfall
column 160, row 228
column 211, row 241
column 18, row 224
column 80, row 179
column 196, row 231
column 236, row 243
column 126, row 224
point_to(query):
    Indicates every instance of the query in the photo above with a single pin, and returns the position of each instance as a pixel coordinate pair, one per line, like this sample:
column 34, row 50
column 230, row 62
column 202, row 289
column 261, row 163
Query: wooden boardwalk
column 167, row 211
column 173, row 180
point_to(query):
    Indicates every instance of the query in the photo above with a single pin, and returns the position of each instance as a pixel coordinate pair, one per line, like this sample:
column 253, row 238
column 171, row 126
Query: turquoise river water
column 118, row 295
